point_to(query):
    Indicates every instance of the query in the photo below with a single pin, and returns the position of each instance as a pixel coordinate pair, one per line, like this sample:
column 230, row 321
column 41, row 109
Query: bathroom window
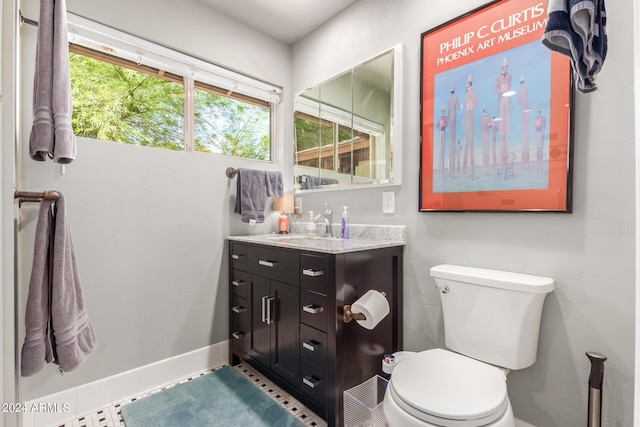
column 130, row 91
column 118, row 100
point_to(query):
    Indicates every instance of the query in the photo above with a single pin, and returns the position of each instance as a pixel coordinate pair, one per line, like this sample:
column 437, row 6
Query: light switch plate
column 388, row 202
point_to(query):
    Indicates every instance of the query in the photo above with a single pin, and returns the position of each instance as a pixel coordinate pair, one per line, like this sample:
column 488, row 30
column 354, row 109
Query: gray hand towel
column 252, row 189
column 57, row 326
column 52, row 133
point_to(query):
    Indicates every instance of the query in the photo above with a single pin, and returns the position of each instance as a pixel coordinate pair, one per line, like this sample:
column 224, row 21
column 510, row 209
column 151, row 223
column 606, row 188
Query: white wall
column 590, row 253
column 149, row 224
column 8, row 134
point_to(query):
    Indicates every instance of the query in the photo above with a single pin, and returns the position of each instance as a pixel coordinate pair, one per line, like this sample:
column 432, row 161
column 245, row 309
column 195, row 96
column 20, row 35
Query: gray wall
column 148, row 224
column 590, row 253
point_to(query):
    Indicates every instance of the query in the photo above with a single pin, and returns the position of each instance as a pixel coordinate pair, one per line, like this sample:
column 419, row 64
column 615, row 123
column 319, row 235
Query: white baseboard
column 78, row 401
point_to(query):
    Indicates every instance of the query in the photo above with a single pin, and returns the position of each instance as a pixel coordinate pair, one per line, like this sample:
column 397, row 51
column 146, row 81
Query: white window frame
column 93, row 35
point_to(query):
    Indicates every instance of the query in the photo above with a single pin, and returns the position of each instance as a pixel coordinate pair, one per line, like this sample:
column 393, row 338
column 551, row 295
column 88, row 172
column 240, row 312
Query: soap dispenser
column 345, row 223
column 310, row 227
column 283, row 223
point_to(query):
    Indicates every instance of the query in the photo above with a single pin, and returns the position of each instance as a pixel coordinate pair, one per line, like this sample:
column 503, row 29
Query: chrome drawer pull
column 238, row 335
column 267, row 263
column 311, row 272
column 239, row 309
column 234, row 256
column 311, row 381
column 313, row 309
column 237, row 282
column 311, row 345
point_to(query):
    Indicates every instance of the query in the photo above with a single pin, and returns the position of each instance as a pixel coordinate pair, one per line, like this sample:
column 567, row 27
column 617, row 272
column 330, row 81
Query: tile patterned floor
column 110, row 417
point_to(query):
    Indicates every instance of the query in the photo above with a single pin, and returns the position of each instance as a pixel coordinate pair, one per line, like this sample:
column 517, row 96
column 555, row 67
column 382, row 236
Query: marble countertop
column 364, row 237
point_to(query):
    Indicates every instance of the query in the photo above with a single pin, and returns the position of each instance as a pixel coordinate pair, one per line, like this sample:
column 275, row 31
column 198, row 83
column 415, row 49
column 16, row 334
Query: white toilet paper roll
column 374, row 306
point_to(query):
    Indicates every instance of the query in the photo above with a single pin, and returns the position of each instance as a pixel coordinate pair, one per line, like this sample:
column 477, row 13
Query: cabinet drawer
column 274, row 264
column 313, row 382
column 240, row 323
column 240, row 283
column 313, row 309
column 314, row 272
column 238, row 254
column 313, row 346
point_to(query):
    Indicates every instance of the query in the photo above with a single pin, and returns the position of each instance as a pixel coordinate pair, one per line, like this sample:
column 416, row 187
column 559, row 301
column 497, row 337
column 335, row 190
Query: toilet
column 491, row 325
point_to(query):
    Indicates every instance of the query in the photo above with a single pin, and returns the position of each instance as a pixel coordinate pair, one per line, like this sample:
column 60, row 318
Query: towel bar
column 231, row 172
column 32, row 196
column 24, row 20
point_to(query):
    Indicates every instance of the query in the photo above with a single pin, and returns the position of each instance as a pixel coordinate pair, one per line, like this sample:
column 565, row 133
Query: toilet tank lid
column 494, row 278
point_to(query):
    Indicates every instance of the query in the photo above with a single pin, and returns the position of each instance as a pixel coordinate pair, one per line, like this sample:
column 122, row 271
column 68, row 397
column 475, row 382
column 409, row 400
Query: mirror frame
column 396, row 123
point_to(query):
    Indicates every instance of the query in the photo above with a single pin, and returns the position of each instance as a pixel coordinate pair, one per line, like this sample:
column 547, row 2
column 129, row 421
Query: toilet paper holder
column 348, row 315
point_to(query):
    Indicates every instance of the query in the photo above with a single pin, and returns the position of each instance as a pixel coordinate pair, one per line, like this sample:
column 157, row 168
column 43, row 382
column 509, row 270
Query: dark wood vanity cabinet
column 286, row 318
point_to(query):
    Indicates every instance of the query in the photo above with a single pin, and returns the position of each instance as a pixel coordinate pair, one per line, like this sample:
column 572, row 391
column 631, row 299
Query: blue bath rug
column 222, row 398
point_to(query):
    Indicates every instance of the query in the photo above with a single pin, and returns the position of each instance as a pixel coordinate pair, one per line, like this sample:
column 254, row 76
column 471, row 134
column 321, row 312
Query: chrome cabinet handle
column 270, row 312
column 311, row 345
column 311, row 381
column 238, row 335
column 311, row 272
column 313, row 309
column 267, row 263
column 264, row 309
column 239, row 309
column 236, row 256
column 237, row 282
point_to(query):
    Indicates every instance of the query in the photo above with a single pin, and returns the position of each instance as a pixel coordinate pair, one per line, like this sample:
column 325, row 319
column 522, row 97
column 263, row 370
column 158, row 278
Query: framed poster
column 495, row 113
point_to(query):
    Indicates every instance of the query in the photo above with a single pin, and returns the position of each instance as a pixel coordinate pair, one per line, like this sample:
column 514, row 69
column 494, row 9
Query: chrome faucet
column 328, row 220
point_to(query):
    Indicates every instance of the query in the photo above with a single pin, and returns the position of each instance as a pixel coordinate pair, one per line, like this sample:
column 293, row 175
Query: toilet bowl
column 491, row 325
column 441, row 388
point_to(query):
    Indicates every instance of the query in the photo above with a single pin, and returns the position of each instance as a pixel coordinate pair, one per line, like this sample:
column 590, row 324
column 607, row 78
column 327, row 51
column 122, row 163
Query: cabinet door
column 260, row 330
column 285, row 332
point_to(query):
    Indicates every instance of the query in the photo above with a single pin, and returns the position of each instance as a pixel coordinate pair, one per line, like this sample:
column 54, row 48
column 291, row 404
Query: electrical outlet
column 388, row 202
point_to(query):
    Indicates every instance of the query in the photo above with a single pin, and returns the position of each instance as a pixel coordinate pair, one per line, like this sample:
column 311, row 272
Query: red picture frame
column 495, row 120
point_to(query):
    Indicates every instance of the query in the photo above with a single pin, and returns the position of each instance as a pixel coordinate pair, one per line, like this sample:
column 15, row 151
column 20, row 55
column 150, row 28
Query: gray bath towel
column 57, row 325
column 37, row 348
column 52, row 133
column 253, row 187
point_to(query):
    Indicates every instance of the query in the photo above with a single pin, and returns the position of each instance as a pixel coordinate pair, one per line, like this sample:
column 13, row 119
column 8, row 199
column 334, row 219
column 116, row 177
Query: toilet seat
column 445, row 388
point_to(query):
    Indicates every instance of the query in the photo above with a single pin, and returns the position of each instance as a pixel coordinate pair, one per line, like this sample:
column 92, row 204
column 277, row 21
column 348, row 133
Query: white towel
column 52, row 134
column 577, row 29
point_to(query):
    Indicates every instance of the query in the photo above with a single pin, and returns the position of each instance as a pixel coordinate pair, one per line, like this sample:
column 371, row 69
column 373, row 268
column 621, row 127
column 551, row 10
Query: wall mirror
column 347, row 129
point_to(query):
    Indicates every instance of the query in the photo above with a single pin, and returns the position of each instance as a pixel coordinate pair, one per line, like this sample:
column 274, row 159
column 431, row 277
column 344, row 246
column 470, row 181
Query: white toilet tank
column 491, row 315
